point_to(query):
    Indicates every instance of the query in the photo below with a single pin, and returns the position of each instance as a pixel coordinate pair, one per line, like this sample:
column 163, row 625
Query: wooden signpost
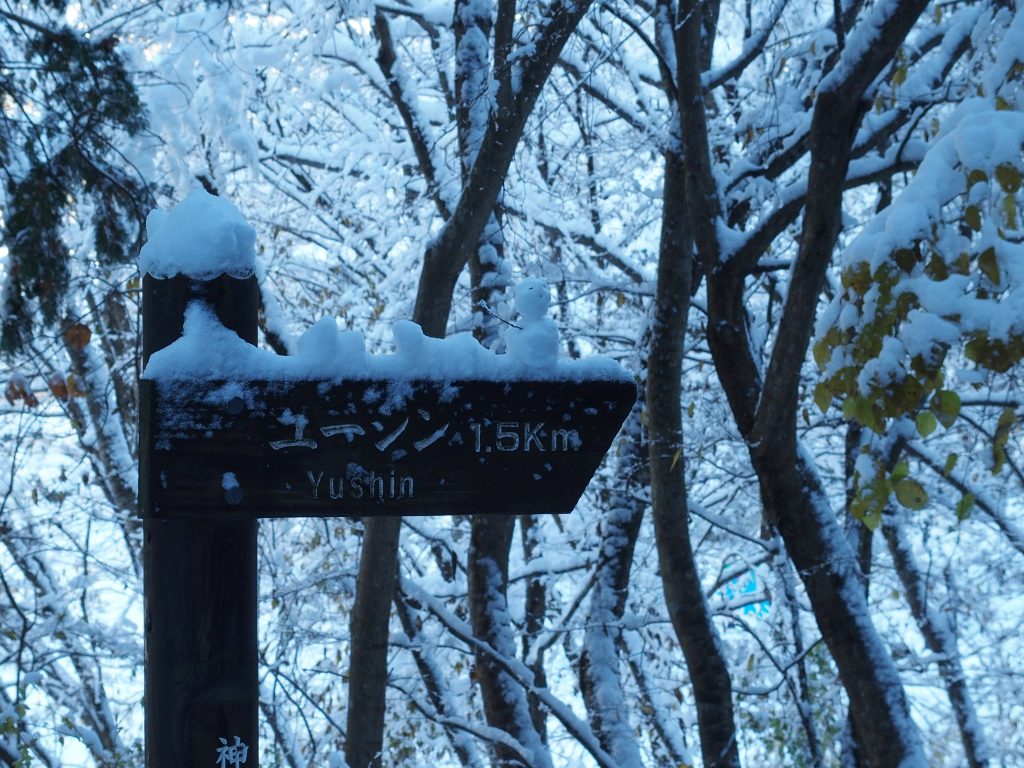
column 214, row 458
column 317, row 449
column 202, row 689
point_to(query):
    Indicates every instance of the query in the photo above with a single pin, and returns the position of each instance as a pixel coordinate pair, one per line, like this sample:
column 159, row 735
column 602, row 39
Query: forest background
column 797, row 223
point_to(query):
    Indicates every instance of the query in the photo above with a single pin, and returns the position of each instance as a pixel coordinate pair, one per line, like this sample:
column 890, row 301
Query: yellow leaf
column 872, row 518
column 950, row 463
column 976, row 176
column 946, row 407
column 822, row 397
column 1010, row 211
column 906, row 258
column 1006, row 420
column 988, row 265
column 972, row 216
column 910, row 494
column 1008, row 177
column 77, row 336
column 821, row 352
column 963, row 508
column 75, row 389
column 675, row 459
column 58, row 386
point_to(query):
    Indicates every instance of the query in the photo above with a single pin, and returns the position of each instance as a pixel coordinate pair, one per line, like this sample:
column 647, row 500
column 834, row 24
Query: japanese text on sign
column 232, row 755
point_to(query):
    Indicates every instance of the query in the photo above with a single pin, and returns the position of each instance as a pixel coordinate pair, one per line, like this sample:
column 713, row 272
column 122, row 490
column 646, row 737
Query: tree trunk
column 794, row 498
column 368, row 655
column 505, row 704
column 939, row 637
column 447, row 254
column 765, row 407
column 860, row 538
column 600, row 682
column 473, row 29
column 684, row 596
column 802, row 696
column 536, row 608
column 443, row 261
column 434, row 682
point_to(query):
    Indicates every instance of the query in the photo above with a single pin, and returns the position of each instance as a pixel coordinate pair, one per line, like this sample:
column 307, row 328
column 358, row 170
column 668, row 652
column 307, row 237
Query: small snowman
column 535, row 343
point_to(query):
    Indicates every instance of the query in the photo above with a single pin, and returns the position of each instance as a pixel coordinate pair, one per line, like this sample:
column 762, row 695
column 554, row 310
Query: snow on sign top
column 203, row 236
column 209, row 351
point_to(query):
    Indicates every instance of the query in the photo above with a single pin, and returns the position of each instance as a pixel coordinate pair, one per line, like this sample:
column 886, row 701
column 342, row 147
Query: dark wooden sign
column 316, row 449
column 215, row 456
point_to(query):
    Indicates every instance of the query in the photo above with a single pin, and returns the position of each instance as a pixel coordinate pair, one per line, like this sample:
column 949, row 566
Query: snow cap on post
column 203, row 236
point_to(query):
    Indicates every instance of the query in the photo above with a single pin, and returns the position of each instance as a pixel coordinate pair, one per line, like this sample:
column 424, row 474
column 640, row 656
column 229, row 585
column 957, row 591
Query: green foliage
column 951, row 461
column 871, row 499
column 926, row 423
column 964, row 506
column 1002, row 435
column 58, row 144
column 945, row 406
column 893, row 306
column 909, row 307
column 875, row 493
column 939, row 279
column 911, row 494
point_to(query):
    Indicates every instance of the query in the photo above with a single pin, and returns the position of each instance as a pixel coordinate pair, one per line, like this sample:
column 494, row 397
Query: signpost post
column 217, row 455
column 200, row 581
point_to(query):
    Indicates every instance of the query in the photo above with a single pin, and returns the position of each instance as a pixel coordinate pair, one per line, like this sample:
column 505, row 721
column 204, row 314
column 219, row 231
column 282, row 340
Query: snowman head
column 532, row 298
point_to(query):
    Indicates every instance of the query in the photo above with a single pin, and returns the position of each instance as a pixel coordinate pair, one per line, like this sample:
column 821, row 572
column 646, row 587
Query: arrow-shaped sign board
column 374, row 447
